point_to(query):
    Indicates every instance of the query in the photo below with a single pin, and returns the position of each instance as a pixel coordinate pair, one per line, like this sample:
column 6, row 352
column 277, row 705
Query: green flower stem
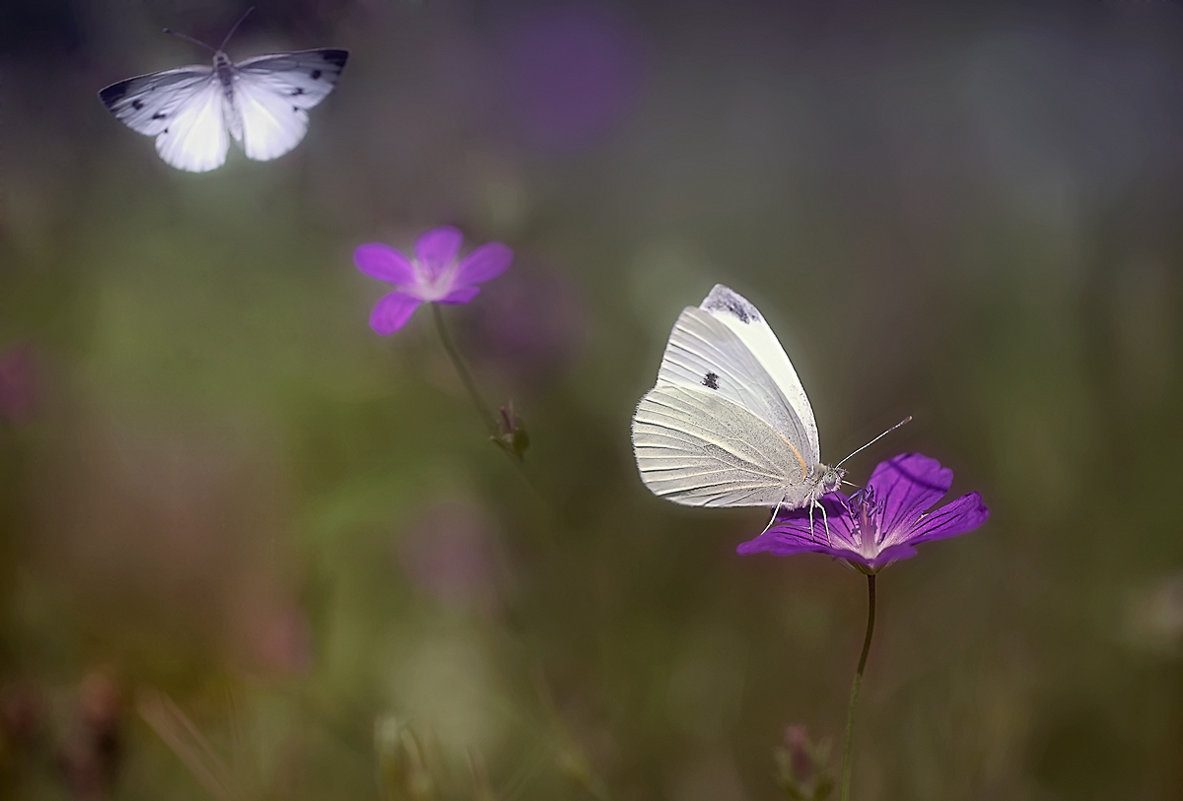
column 858, row 679
column 482, row 408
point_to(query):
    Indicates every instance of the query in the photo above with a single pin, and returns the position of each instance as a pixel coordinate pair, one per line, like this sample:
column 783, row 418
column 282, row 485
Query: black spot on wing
column 160, row 115
column 316, row 75
column 299, row 90
column 711, row 381
column 137, row 104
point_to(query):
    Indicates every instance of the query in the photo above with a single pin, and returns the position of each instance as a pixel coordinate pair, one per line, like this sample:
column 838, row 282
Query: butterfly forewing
column 708, row 355
column 305, row 77
column 149, row 103
column 696, row 448
column 748, row 324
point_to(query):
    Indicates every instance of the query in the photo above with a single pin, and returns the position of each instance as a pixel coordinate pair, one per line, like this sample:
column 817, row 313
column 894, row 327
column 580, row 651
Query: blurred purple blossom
column 282, row 639
column 571, row 73
column 531, row 326
column 18, row 384
column 435, row 274
column 880, row 523
column 452, row 554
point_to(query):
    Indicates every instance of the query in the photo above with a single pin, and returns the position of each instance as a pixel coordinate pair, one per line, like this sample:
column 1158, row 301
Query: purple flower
column 882, row 522
column 434, row 275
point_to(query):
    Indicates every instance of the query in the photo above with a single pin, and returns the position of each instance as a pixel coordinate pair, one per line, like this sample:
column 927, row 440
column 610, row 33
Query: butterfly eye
column 831, row 479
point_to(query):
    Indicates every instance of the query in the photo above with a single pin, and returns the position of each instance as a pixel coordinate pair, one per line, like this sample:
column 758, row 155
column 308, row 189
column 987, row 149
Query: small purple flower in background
column 530, row 349
column 881, row 523
column 435, row 274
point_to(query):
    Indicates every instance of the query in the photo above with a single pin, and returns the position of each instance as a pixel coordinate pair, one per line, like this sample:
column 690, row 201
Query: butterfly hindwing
column 697, row 448
column 268, row 124
column 196, row 139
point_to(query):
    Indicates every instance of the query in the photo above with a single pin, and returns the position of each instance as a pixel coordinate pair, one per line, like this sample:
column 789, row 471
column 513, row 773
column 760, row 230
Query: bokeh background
column 248, row 549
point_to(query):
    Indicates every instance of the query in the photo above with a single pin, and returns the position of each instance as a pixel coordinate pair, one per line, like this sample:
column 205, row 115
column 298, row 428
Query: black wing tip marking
column 113, row 93
column 335, row 57
column 726, row 300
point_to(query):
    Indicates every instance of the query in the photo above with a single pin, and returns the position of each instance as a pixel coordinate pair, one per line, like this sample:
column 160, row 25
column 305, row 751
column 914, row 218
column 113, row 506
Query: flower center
column 865, row 516
column 435, row 279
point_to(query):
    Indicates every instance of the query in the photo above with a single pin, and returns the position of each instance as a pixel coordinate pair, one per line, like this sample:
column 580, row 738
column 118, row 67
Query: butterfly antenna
column 189, row 39
column 907, row 419
column 241, row 19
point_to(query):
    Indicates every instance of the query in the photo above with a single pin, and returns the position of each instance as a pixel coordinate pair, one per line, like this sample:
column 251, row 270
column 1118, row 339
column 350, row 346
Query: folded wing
column 697, row 448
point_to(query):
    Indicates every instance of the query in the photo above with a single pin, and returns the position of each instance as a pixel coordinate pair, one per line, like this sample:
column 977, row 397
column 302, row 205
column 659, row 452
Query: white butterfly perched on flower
column 728, row 423
column 194, row 111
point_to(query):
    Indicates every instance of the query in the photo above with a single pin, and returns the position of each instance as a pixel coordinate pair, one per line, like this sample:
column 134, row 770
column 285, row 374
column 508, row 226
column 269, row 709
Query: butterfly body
column 193, row 112
column 728, row 422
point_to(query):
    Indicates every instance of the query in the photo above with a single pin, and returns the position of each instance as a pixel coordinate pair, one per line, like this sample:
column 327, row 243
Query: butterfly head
column 828, row 479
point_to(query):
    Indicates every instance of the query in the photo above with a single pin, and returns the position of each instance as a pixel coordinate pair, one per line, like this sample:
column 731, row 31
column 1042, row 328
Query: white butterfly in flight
column 193, row 111
column 728, row 423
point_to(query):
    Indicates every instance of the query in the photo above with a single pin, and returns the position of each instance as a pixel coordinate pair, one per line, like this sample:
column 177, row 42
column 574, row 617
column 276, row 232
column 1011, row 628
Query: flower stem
column 858, row 679
column 482, row 409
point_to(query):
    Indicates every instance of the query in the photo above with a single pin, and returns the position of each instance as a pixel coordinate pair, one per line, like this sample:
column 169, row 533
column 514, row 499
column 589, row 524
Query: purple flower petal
column 487, row 261
column 906, row 486
column 392, row 312
column 437, row 249
column 462, row 295
column 781, row 543
column 384, row 263
column 791, row 533
column 883, row 558
column 962, row 515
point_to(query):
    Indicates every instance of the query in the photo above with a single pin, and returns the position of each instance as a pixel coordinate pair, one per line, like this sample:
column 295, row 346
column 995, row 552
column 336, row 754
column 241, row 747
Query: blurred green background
column 248, row 549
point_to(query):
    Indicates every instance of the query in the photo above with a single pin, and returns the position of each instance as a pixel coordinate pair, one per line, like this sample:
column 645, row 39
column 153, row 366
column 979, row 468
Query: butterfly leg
column 825, row 518
column 774, row 513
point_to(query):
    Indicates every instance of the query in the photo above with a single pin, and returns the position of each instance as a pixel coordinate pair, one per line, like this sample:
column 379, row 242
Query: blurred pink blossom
column 18, row 384
column 451, row 554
